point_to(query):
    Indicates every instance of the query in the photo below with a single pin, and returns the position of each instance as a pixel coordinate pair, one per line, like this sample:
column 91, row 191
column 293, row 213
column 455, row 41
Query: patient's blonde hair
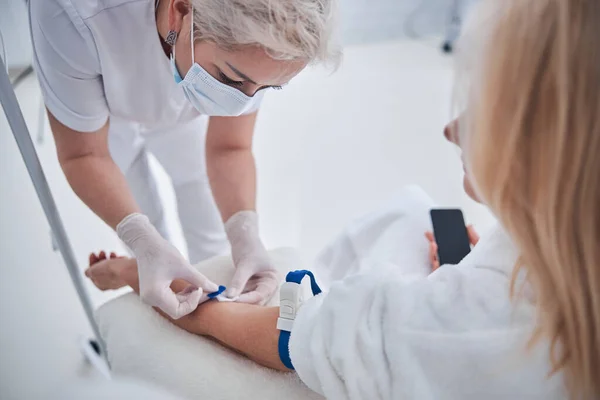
column 285, row 29
column 533, row 148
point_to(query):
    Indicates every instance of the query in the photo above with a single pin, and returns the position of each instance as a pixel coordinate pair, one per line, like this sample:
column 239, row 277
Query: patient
column 519, row 317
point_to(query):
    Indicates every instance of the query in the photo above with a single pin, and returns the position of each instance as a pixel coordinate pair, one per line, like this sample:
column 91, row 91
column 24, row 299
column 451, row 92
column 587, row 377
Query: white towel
column 143, row 345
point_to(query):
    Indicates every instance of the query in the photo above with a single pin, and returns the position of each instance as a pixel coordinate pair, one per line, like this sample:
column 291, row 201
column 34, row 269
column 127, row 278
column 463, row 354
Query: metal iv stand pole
column 8, row 99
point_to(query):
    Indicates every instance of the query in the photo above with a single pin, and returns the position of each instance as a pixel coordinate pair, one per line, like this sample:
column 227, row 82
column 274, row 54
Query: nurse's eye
column 228, row 81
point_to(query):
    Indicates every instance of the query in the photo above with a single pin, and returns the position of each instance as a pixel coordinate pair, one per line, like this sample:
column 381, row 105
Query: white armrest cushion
column 143, row 345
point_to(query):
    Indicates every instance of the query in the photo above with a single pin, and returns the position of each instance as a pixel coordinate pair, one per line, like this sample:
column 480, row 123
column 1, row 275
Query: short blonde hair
column 286, row 29
column 533, row 151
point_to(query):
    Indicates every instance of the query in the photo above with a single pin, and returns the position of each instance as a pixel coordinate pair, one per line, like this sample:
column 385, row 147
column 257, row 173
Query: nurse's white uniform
column 99, row 60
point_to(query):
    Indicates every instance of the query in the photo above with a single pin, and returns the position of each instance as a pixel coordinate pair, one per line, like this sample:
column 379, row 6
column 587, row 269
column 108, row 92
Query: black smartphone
column 450, row 235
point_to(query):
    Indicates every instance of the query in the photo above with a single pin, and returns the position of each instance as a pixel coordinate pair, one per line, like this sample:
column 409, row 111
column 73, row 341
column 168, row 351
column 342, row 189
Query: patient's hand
column 108, row 273
column 433, row 247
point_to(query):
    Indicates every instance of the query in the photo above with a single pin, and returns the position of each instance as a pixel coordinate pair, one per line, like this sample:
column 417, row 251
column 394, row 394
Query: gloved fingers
column 240, row 278
column 203, row 296
column 191, row 289
column 194, row 277
column 266, row 285
column 253, row 297
column 177, row 305
column 251, row 285
column 260, row 296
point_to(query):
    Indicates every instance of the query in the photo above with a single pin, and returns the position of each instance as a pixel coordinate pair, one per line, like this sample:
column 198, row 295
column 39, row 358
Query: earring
column 171, row 38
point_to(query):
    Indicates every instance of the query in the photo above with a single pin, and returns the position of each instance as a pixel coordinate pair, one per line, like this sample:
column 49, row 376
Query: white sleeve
column 390, row 238
column 331, row 345
column 67, row 65
column 382, row 337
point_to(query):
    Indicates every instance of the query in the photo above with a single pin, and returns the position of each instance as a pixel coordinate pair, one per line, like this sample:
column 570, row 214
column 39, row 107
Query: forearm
column 230, row 163
column 232, row 175
column 248, row 329
column 90, row 170
column 99, row 183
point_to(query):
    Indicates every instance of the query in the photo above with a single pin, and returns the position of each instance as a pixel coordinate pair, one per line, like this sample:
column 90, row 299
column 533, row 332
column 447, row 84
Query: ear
column 177, row 10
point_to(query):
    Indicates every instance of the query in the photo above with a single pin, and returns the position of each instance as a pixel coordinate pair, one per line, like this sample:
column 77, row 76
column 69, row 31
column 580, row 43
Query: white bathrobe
column 388, row 330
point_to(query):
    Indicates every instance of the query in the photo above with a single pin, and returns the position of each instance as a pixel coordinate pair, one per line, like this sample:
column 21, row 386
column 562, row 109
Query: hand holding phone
column 450, row 240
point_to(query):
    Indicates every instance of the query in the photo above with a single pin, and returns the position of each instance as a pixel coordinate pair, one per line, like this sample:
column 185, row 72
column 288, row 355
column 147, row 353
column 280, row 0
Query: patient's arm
column 246, row 328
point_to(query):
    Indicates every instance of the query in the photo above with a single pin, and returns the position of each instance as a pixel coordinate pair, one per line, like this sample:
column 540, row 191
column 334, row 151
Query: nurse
column 181, row 80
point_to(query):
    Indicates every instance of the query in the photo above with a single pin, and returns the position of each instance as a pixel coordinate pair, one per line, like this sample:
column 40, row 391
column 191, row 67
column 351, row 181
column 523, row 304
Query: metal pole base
column 93, row 354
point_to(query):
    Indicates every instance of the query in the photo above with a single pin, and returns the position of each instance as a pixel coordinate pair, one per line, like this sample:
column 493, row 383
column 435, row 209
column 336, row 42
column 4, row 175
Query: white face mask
column 208, row 95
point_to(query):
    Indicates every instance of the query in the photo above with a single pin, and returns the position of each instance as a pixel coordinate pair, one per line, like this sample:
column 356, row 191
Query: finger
column 473, row 235
column 189, row 289
column 265, row 288
column 113, row 255
column 181, row 296
column 204, row 298
column 436, row 261
column 194, row 277
column 429, row 236
column 432, row 253
column 250, row 286
column 260, row 296
column 88, row 272
column 253, row 297
column 92, row 259
column 238, row 282
column 188, row 302
column 171, row 304
column 102, row 255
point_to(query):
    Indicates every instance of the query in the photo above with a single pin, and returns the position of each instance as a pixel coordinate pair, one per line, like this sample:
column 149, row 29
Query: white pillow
column 143, row 345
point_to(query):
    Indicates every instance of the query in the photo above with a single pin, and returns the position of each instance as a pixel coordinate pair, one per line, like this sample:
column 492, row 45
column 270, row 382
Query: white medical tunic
column 100, row 59
column 390, row 330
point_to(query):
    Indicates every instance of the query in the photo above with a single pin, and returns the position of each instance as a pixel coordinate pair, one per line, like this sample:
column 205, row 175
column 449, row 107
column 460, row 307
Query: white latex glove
column 159, row 263
column 255, row 279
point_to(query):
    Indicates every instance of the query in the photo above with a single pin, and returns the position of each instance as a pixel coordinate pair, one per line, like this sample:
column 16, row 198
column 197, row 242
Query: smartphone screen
column 450, row 235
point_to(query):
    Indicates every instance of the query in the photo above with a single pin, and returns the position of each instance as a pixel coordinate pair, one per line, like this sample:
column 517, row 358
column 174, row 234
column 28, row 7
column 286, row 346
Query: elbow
column 71, row 163
column 74, row 166
column 226, row 155
column 222, row 149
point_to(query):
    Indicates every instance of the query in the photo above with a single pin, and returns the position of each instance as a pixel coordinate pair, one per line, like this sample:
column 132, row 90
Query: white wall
column 15, row 32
